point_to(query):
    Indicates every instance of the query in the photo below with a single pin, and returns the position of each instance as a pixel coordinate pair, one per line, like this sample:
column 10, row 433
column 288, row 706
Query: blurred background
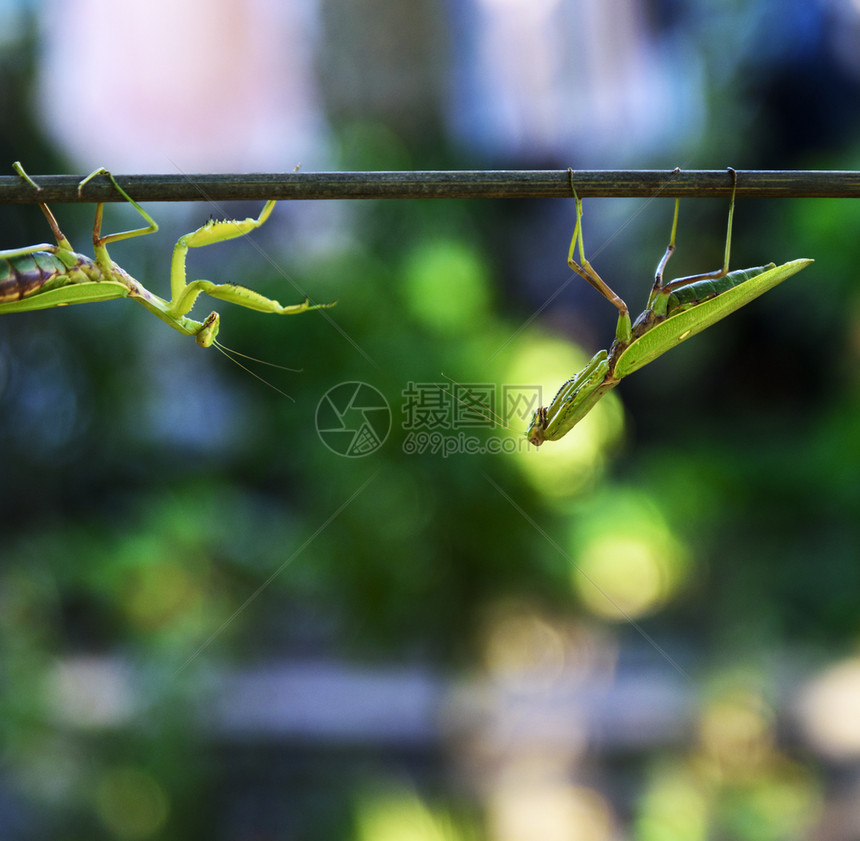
column 368, row 612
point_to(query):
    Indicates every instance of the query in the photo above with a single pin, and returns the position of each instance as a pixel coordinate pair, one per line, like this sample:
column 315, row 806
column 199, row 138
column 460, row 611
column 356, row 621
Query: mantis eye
column 209, row 331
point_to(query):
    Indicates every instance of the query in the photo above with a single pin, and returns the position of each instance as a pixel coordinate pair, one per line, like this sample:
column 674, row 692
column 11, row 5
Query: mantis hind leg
column 670, row 250
column 62, row 242
column 586, row 271
column 714, row 275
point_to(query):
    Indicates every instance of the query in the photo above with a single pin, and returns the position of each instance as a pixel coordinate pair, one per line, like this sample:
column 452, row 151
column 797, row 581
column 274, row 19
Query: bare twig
column 499, row 184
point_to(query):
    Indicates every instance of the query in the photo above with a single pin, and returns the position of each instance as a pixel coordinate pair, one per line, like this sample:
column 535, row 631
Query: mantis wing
column 680, row 325
column 73, row 293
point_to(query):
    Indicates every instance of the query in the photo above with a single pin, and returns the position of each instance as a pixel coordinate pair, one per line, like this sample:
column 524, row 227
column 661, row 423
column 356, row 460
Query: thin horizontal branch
column 499, row 184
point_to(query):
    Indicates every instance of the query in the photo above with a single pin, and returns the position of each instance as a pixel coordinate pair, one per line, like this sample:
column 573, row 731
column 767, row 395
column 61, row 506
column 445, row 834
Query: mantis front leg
column 209, row 234
column 184, row 293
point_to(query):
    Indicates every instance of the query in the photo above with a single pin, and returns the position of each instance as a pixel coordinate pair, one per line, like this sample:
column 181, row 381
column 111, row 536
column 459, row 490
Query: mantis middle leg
column 586, row 271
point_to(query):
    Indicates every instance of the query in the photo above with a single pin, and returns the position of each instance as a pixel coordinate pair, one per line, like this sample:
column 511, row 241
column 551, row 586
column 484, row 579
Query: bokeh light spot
column 830, row 711
column 131, row 803
column 446, row 285
column 398, row 814
column 627, row 561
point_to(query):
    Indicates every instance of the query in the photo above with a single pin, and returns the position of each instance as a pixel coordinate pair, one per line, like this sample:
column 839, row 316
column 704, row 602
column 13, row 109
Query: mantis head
column 535, row 432
column 208, row 332
column 573, row 401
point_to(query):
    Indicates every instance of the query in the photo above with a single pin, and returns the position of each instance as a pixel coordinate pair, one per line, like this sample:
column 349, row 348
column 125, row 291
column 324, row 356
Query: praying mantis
column 675, row 311
column 41, row 276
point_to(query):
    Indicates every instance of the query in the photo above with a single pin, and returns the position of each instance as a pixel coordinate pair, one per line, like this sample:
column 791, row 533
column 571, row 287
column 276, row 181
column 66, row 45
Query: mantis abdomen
column 695, row 307
column 41, row 279
column 685, row 297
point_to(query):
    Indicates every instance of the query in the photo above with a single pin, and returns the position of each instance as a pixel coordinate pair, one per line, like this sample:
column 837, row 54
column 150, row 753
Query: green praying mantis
column 41, row 276
column 675, row 311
